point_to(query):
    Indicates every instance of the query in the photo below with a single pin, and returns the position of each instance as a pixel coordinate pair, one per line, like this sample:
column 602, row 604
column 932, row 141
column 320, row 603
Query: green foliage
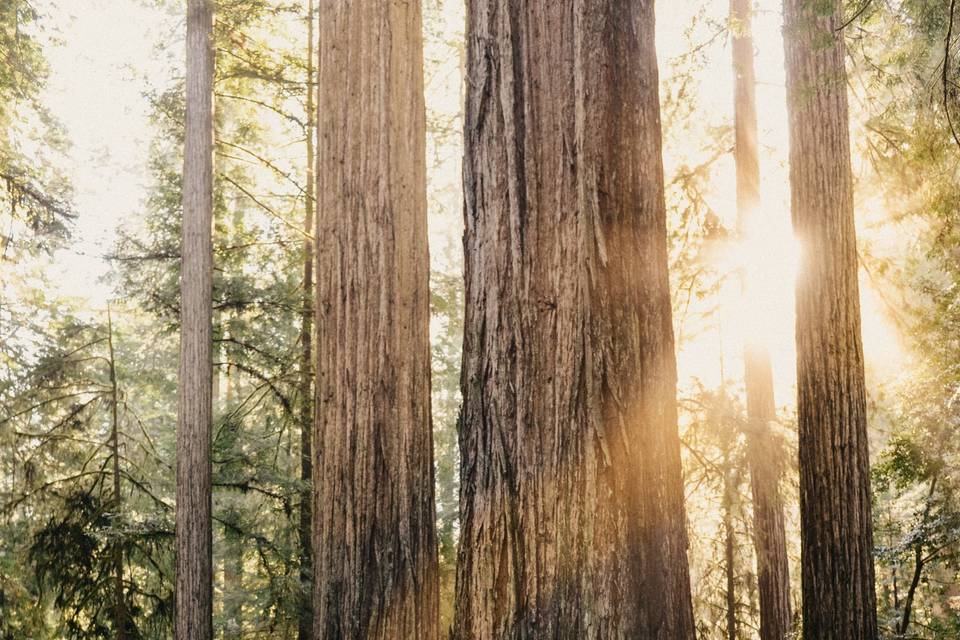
column 899, row 50
column 33, row 195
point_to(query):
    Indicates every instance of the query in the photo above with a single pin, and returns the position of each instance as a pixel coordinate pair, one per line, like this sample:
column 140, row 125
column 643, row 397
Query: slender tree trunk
column 375, row 546
column 119, row 600
column 573, row 522
column 839, row 599
column 233, row 535
column 766, row 462
column 233, row 575
column 919, row 563
column 194, row 567
column 764, row 458
column 305, row 624
column 729, row 547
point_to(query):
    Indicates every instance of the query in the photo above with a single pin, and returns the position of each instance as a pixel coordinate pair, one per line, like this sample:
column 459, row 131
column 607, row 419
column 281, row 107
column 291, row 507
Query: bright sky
column 107, row 60
column 110, row 55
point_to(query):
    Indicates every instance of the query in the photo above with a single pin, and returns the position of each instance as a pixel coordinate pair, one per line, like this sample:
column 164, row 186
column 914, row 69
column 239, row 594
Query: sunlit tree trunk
column 572, row 512
column 305, row 622
column 839, row 600
column 193, row 511
column 765, row 459
column 375, row 545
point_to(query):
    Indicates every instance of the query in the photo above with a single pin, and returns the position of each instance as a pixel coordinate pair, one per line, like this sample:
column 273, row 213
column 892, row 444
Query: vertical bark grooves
column 194, row 567
column 305, row 623
column 839, row 600
column 375, row 539
column 765, row 459
column 572, row 516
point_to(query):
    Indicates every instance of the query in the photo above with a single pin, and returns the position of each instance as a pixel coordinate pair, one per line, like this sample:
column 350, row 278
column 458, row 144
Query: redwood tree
column 572, row 512
column 375, row 545
column 764, row 456
column 194, row 566
column 839, row 600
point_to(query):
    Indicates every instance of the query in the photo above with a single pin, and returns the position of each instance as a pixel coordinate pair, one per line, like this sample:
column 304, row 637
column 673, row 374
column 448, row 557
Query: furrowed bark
column 765, row 459
column 375, row 532
column 839, row 600
column 573, row 522
column 194, row 566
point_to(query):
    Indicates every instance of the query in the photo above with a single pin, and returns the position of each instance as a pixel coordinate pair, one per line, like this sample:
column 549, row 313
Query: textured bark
column 839, row 600
column 305, row 622
column 375, row 533
column 573, row 523
column 764, row 457
column 194, row 565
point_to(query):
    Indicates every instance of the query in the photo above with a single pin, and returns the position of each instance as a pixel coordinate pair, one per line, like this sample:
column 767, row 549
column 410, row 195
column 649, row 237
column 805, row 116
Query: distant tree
column 194, row 552
column 764, row 457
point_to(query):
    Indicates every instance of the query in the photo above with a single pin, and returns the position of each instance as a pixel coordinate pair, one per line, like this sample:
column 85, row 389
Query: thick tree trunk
column 194, row 567
column 305, row 623
column 375, row 539
column 573, row 522
column 764, row 458
column 839, row 600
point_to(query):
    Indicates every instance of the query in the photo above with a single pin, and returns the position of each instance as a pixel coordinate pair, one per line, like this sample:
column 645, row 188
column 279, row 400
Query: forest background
column 90, row 157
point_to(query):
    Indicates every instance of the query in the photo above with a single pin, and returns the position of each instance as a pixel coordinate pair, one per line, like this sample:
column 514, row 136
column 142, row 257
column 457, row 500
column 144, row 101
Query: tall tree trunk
column 119, row 600
column 764, row 458
column 305, row 624
column 766, row 462
column 573, row 522
column 839, row 600
column 375, row 545
column 194, row 567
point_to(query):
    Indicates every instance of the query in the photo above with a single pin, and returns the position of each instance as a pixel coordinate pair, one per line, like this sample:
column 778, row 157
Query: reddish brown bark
column 573, row 521
column 375, row 533
column 194, row 563
column 839, row 600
